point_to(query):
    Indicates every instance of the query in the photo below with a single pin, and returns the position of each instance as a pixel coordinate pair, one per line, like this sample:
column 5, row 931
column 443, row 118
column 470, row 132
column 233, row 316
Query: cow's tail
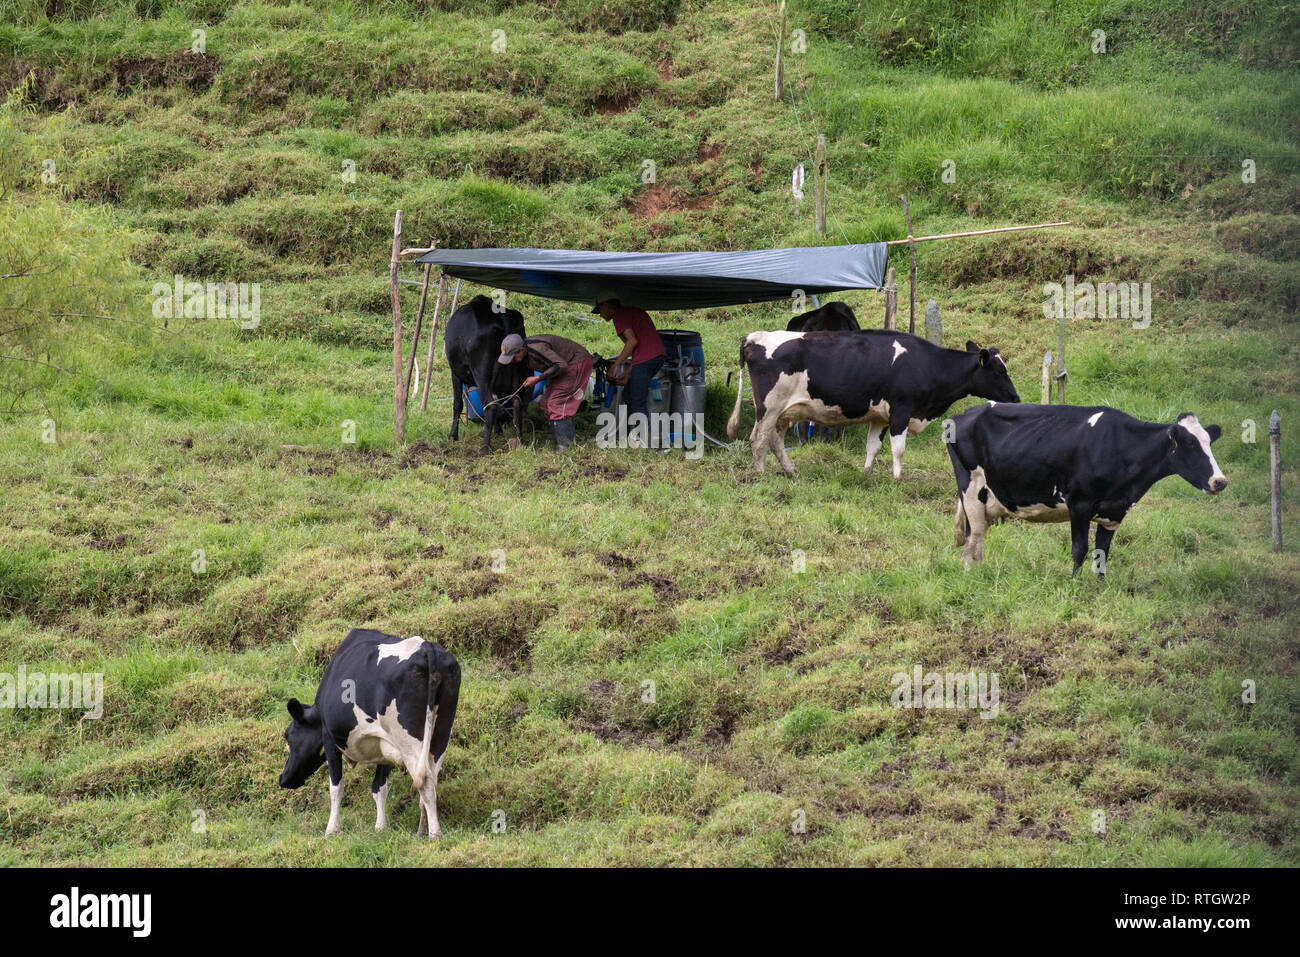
column 734, row 422
column 422, row 767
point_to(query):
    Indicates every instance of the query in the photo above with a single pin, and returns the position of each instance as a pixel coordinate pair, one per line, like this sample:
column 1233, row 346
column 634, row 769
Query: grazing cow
column 887, row 379
column 383, row 700
column 832, row 317
column 472, row 345
column 1069, row 463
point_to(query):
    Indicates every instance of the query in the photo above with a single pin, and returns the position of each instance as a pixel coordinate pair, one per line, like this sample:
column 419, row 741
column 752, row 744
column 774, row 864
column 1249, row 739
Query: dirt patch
column 612, row 105
column 665, row 589
column 610, row 473
column 660, row 198
column 108, row 544
column 615, row 560
column 601, row 689
column 708, row 152
column 433, row 551
column 183, row 68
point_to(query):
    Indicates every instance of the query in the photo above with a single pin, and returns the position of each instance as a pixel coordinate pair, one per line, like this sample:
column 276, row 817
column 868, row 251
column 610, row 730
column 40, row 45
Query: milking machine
column 679, row 386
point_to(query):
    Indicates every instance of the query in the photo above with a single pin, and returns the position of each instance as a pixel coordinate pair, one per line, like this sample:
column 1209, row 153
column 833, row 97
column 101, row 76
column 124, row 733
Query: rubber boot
column 563, row 430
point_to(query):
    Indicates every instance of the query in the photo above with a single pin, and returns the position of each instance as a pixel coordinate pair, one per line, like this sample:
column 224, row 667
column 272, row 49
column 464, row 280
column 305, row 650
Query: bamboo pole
column 911, row 248
column 973, row 232
column 433, row 338
column 399, row 397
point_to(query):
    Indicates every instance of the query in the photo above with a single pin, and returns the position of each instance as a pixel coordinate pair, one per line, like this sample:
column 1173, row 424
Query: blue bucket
column 683, row 347
column 474, row 405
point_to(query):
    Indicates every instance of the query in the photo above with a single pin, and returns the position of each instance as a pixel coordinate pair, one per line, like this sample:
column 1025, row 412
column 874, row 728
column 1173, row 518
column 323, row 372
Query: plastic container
column 683, row 347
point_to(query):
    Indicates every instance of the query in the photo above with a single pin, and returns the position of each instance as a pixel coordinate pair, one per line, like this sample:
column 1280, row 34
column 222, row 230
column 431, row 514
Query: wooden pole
column 973, row 232
column 1060, row 361
column 433, row 338
column 1047, row 378
column 891, row 301
column 911, row 249
column 399, row 395
column 821, row 186
column 780, row 52
column 455, row 297
column 415, row 340
column 1275, row 461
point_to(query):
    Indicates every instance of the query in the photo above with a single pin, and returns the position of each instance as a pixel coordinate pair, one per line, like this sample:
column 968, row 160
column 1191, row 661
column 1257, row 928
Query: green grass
column 771, row 688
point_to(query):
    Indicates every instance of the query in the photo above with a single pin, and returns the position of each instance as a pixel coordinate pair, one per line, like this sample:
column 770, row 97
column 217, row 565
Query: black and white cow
column 832, row 317
column 1068, row 463
column 888, row 379
column 472, row 345
column 383, row 700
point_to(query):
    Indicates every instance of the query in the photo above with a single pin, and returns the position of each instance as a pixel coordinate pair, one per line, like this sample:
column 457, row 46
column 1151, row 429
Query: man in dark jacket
column 566, row 367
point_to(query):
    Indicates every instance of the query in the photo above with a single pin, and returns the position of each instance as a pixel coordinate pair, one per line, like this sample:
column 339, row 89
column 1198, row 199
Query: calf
column 1069, row 463
column 472, row 344
column 832, row 317
column 383, row 700
column 888, row 379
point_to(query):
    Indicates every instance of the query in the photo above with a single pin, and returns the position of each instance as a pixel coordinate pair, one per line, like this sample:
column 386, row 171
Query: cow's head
column 991, row 379
column 1190, row 455
column 306, row 744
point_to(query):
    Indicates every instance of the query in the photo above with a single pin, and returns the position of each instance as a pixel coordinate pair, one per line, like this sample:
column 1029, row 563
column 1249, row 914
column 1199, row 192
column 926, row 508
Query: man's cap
column 604, row 296
column 509, row 346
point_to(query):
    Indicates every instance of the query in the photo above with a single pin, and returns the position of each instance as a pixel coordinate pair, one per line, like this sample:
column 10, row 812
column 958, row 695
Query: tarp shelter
column 668, row 280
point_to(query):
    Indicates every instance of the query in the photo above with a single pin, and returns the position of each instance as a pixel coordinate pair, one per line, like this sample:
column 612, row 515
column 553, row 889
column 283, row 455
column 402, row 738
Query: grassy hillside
column 771, row 687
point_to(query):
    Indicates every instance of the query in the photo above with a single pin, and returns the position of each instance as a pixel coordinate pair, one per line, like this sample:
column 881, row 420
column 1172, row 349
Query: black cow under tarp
column 668, row 280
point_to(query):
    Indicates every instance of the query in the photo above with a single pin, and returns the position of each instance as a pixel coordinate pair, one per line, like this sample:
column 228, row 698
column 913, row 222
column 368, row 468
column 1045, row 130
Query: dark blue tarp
column 668, row 280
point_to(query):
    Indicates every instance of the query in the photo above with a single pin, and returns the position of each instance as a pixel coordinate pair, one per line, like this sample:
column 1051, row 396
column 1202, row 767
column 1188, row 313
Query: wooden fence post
column 433, row 338
column 399, row 394
column 821, row 186
column 1047, row 377
column 911, row 249
column 891, row 301
column 1275, row 462
column 780, row 52
column 415, row 340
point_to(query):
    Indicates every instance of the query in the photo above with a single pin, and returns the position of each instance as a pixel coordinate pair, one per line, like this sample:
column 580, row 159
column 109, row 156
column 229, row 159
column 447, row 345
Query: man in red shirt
column 641, row 344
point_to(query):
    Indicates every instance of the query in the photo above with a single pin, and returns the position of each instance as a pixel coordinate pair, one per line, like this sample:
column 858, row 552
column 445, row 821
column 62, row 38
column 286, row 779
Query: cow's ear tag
column 984, row 357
